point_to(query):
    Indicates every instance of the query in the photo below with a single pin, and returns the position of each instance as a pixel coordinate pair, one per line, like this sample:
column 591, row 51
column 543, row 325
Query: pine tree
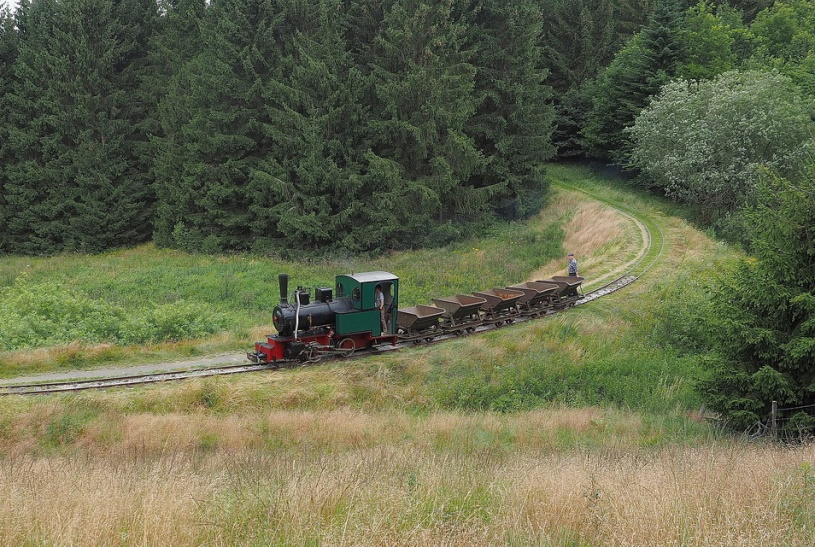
column 236, row 129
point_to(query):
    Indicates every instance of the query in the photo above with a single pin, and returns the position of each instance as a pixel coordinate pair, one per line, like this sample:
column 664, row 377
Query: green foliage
column 513, row 122
column 72, row 175
column 308, row 127
column 581, row 37
column 8, row 54
column 782, row 38
column 176, row 321
column 709, row 41
column 763, row 314
column 624, row 88
column 632, row 370
column 46, row 314
column 703, row 143
column 303, row 126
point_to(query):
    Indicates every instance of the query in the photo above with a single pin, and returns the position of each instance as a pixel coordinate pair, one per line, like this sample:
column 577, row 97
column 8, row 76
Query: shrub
column 49, row 314
column 703, row 142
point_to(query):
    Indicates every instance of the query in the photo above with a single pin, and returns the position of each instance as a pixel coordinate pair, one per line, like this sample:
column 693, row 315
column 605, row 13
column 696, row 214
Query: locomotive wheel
column 312, row 356
column 346, row 347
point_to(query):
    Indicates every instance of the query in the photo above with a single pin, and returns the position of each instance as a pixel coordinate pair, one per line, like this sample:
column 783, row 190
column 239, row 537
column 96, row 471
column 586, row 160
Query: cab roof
column 370, row 277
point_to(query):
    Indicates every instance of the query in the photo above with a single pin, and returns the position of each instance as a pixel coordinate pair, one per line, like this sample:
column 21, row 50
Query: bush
column 49, row 314
column 702, row 143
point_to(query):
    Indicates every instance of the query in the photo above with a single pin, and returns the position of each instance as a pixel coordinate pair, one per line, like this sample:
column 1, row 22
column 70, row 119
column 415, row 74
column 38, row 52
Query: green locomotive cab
column 365, row 317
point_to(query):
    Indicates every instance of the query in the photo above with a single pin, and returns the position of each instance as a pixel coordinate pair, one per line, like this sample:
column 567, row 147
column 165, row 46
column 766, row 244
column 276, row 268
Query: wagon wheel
column 346, row 347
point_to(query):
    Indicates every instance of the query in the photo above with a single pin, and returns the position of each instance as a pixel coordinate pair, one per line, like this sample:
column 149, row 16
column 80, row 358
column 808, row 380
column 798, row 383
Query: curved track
column 652, row 249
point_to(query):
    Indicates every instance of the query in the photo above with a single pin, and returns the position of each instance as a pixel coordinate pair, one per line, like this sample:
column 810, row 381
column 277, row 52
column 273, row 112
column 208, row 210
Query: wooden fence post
column 773, row 420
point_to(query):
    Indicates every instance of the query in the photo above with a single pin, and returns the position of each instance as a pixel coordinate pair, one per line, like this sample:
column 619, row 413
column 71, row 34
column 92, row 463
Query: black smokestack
column 284, row 287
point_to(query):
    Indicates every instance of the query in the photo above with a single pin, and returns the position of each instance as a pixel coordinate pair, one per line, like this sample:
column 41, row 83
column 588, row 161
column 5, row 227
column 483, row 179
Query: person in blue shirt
column 572, row 265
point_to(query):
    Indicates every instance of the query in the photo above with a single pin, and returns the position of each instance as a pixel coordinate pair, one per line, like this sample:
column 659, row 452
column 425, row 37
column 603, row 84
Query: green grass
column 141, row 297
column 619, row 351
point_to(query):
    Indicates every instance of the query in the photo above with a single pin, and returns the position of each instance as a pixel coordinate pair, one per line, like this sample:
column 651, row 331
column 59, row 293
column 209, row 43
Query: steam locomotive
column 342, row 323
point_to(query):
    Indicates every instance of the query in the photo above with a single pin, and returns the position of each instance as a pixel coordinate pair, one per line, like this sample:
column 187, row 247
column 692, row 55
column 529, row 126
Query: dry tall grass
column 353, row 478
column 602, row 238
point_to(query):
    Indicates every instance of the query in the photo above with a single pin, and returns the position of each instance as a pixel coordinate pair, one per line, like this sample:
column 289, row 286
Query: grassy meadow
column 577, row 429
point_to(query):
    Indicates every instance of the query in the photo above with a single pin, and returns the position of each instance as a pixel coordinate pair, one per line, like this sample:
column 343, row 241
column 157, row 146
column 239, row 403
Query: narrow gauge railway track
column 123, row 381
column 156, row 377
column 652, row 249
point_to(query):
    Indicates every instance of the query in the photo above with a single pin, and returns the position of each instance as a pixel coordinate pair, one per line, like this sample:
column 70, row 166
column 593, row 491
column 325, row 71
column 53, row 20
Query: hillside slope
column 576, row 429
column 607, row 240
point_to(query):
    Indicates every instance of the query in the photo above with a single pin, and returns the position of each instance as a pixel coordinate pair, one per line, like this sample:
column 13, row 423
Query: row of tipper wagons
column 466, row 312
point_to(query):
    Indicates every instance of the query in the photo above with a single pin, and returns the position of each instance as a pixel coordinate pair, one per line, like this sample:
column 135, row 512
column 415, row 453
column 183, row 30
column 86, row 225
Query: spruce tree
column 8, row 56
column 206, row 159
column 649, row 60
column 513, row 124
column 579, row 38
column 73, row 179
column 218, row 158
column 306, row 192
column 762, row 318
column 177, row 42
column 421, row 93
